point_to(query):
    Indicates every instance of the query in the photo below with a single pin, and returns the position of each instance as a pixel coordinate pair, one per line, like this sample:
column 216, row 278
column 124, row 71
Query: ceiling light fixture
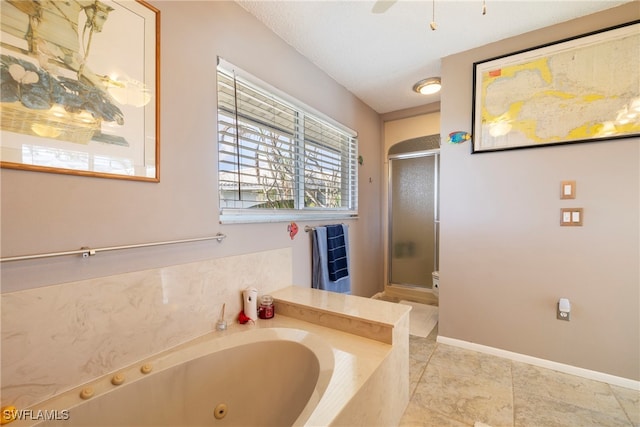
column 428, row 86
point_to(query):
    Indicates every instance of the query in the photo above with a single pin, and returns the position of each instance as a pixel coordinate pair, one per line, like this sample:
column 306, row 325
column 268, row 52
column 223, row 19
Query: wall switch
column 575, row 216
column 571, row 217
column 568, row 190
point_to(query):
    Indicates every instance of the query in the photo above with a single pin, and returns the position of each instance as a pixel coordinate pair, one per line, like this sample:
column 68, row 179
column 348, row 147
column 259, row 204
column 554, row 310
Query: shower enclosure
column 413, row 212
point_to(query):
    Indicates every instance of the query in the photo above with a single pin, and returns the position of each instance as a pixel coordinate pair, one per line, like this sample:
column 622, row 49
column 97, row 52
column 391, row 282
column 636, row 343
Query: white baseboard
column 543, row 363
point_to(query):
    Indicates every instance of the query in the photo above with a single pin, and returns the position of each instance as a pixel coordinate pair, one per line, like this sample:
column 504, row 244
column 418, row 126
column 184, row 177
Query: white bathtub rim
column 195, row 349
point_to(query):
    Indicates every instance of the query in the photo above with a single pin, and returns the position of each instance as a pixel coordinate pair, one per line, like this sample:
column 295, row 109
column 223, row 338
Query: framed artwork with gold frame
column 80, row 95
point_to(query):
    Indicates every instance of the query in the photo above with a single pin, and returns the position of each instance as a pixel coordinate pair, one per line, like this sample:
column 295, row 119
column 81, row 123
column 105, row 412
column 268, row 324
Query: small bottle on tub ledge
column 266, row 309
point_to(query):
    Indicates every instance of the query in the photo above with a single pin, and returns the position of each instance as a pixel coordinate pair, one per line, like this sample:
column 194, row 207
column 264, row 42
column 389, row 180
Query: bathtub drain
column 221, row 411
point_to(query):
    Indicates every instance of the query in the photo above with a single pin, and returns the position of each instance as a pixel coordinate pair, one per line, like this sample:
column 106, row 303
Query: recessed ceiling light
column 428, row 86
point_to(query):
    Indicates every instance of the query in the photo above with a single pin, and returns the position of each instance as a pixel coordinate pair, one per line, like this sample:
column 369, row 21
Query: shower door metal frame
column 436, row 207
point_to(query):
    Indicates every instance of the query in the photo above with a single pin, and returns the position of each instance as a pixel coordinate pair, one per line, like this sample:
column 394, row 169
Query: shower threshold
column 395, row 293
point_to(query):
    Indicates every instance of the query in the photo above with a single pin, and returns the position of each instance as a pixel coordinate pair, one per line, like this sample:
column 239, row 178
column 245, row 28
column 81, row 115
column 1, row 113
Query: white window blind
column 278, row 160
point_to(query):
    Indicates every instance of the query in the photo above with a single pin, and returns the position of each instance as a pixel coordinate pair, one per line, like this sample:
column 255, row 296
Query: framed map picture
column 577, row 90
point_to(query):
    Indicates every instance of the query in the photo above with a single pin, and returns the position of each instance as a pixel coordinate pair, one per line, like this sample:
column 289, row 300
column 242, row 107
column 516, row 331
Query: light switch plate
column 571, row 217
column 568, row 190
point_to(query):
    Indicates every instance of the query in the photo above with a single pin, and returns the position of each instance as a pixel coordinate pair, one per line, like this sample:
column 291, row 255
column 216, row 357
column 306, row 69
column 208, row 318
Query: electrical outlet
column 562, row 315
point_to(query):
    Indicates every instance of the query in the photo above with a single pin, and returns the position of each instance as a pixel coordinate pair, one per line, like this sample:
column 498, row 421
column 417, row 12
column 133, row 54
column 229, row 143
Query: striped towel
column 336, row 252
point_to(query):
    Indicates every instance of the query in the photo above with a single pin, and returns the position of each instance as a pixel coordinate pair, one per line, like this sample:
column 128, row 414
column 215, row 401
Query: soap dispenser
column 250, row 300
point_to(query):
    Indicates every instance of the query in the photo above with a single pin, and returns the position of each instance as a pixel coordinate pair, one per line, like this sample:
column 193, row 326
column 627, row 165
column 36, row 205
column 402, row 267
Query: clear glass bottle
column 266, row 309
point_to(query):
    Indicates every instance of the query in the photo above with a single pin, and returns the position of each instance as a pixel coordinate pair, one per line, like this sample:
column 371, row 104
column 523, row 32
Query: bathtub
column 259, row 377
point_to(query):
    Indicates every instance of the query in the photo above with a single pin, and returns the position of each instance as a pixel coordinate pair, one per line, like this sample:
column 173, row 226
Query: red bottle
column 266, row 309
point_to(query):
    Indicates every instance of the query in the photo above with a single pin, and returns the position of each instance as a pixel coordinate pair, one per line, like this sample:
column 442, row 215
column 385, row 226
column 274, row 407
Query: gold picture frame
column 576, row 90
column 80, row 95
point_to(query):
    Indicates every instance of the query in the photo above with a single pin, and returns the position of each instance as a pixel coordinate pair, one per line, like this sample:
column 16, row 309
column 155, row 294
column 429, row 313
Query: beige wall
column 47, row 212
column 399, row 130
column 505, row 261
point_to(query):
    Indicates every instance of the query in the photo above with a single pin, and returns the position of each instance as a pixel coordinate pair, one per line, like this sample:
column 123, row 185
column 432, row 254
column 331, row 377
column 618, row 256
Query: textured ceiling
column 379, row 56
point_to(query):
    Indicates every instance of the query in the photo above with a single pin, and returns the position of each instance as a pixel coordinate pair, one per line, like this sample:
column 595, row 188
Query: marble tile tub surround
column 382, row 399
column 56, row 337
column 370, row 318
column 357, row 368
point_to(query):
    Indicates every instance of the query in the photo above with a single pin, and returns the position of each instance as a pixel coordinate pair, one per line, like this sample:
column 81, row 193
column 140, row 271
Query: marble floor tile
column 630, row 402
column 420, row 351
column 463, row 397
column 535, row 411
column 417, row 416
column 565, row 388
column 416, row 369
column 454, row 387
column 462, row 362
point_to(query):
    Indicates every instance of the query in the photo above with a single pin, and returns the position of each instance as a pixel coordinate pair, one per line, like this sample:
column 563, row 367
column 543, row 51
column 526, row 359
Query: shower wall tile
column 57, row 337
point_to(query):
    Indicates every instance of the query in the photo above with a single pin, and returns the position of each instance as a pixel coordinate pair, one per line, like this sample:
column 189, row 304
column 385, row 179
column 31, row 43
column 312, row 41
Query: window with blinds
column 278, row 160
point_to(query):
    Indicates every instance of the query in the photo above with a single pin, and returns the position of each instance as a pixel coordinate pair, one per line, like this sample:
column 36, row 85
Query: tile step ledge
column 365, row 317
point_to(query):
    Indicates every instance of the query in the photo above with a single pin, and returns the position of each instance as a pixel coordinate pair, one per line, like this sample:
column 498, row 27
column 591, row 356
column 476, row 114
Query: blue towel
column 320, row 268
column 336, row 253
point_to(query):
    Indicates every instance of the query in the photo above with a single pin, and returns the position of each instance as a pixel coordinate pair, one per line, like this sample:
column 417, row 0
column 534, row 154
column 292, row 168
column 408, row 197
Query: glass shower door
column 413, row 217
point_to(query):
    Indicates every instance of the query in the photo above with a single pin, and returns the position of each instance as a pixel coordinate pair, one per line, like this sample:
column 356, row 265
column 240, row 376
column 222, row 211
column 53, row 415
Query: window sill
column 268, row 217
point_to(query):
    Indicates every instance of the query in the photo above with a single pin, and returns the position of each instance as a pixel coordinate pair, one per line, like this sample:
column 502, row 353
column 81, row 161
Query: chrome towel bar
column 87, row 252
